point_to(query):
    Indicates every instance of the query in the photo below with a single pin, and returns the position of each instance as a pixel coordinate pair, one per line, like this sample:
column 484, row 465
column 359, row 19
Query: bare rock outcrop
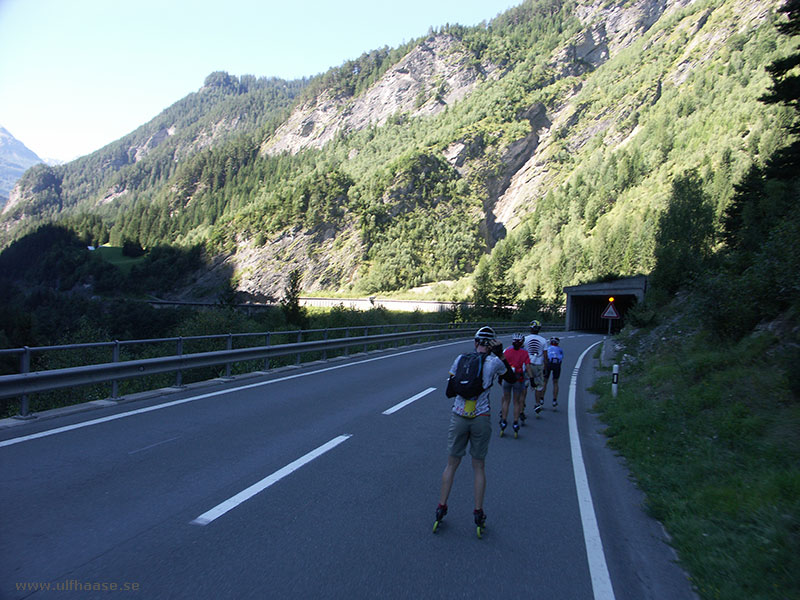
column 609, row 29
column 438, row 72
column 326, row 256
column 152, row 142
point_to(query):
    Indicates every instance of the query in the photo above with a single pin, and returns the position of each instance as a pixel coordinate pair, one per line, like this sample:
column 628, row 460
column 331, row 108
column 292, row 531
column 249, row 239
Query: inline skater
column 470, row 421
column 520, row 361
column 535, row 345
column 555, row 356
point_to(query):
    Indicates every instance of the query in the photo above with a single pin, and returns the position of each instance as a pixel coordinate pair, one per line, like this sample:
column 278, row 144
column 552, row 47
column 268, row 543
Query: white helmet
column 485, row 335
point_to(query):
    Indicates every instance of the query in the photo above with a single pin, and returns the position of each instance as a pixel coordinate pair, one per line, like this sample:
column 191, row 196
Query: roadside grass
column 711, row 431
column 113, row 255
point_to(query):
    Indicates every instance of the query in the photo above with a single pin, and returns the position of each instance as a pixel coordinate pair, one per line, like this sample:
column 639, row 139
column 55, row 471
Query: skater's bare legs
column 504, row 404
column 479, row 468
column 519, row 404
column 447, row 477
column 555, row 389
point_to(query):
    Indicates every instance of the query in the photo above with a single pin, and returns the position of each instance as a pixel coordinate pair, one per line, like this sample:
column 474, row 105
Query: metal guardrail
column 23, row 384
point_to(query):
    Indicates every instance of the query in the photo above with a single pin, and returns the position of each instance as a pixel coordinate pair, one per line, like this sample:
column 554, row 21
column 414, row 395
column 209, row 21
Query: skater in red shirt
column 520, row 361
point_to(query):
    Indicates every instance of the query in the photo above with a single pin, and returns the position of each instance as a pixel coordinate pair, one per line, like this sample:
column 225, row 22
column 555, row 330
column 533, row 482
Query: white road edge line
column 397, row 407
column 41, row 434
column 598, row 569
column 231, row 503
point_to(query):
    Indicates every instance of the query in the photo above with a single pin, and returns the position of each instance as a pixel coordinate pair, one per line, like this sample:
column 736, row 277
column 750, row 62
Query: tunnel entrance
column 586, row 303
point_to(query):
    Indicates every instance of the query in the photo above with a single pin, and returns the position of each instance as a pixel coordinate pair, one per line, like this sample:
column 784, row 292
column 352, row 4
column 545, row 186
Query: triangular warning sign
column 610, row 312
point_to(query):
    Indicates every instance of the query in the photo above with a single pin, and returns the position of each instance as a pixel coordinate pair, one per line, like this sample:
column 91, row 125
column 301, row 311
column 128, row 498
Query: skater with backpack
column 471, row 376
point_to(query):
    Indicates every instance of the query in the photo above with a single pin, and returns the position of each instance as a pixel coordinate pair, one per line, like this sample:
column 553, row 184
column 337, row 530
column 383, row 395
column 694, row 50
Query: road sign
column 610, row 312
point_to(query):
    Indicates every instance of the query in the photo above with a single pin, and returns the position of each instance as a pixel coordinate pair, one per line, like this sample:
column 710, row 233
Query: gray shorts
column 476, row 431
column 538, row 377
column 517, row 386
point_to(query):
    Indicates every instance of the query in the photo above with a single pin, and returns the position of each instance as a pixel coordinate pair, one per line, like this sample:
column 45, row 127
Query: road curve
column 321, row 482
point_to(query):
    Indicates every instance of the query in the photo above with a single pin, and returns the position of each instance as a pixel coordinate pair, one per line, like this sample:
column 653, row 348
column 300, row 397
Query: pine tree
column 683, row 239
column 294, row 313
column 785, row 89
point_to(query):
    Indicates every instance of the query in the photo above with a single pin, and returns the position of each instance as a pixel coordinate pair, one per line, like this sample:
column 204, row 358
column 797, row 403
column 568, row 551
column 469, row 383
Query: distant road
column 354, row 303
column 369, row 303
column 321, row 482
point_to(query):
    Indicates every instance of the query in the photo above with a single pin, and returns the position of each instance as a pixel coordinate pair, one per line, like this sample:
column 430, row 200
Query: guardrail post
column 266, row 360
column 299, row 339
column 347, row 335
column 366, row 333
column 25, row 367
column 179, row 374
column 229, row 347
column 325, row 352
column 115, row 383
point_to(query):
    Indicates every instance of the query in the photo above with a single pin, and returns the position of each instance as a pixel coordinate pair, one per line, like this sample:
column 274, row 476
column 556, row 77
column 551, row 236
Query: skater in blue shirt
column 554, row 356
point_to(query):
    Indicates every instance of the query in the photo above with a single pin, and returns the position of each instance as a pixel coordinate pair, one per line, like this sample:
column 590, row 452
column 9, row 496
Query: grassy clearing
column 113, row 255
column 712, row 433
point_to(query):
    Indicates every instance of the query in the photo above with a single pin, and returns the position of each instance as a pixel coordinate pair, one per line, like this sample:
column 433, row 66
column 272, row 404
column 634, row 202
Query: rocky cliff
column 435, row 74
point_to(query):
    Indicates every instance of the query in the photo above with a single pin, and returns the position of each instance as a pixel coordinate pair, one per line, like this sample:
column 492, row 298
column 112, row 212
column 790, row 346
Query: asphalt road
column 295, row 484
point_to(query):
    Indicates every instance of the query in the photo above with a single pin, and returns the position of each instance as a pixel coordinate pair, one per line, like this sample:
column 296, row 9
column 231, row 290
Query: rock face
column 325, row 256
column 433, row 75
column 609, row 30
column 619, row 26
column 153, row 142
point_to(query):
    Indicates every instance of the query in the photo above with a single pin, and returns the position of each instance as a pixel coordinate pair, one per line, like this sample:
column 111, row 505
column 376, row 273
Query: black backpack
column 468, row 379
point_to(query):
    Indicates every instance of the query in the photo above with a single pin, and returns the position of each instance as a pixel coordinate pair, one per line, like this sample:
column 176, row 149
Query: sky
column 76, row 75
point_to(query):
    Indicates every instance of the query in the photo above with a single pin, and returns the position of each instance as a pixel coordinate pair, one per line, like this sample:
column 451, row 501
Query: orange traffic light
column 611, row 299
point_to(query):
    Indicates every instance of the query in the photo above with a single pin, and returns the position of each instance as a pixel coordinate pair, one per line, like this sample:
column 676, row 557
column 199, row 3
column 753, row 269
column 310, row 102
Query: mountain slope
column 143, row 161
column 540, row 148
column 438, row 72
column 15, row 159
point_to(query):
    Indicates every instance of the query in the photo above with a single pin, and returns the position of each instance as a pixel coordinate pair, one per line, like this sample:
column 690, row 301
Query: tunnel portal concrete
column 586, row 303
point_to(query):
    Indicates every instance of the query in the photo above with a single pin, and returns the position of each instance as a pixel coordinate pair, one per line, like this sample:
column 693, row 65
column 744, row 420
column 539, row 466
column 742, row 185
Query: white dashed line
column 234, row 501
column 397, row 407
